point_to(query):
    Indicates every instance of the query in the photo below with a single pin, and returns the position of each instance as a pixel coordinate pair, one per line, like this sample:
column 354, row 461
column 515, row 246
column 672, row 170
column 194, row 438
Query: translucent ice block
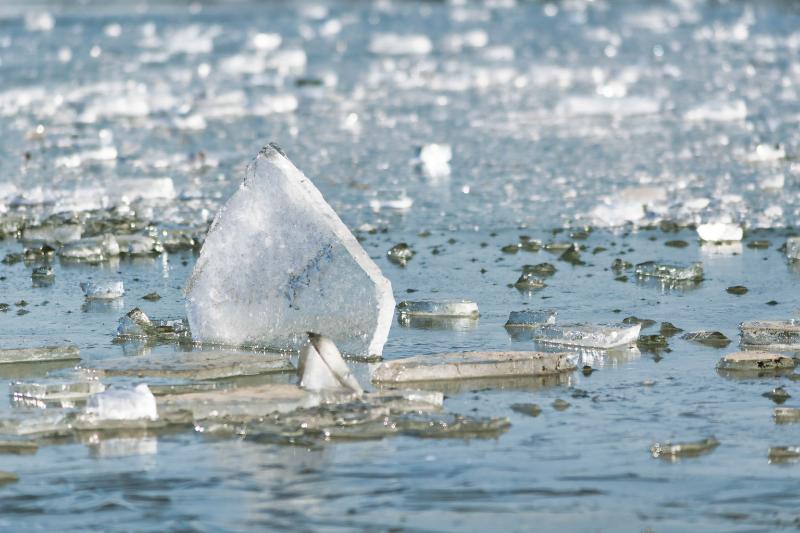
column 44, row 353
column 471, row 365
column 588, row 335
column 123, row 404
column 776, row 334
column 443, row 308
column 693, row 272
column 278, row 262
column 322, row 367
column 103, row 290
column 531, row 318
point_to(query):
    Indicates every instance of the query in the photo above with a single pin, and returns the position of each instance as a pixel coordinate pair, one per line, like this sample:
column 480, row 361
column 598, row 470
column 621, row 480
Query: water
column 528, row 150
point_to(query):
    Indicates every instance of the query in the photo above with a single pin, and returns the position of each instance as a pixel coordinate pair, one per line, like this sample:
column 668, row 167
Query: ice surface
column 44, row 353
column 775, row 334
column 196, row 365
column 530, row 318
column 322, row 367
column 588, row 335
column 102, row 290
column 718, row 111
column 670, row 272
column 471, row 365
column 123, row 404
column 440, row 308
column 278, row 262
column 720, row 232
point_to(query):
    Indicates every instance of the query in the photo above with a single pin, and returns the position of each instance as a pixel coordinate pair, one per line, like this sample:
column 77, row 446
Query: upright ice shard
column 278, row 262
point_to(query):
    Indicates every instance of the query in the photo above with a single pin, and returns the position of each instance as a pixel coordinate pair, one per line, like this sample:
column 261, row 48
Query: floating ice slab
column 246, row 402
column 673, row 451
column 530, row 318
column 196, row 365
column 123, row 404
column 718, row 111
column 93, row 249
column 440, row 308
column 588, row 335
column 322, row 367
column 58, row 391
column 720, row 232
column 759, row 361
column 714, row 339
column 775, row 334
column 793, row 248
column 41, row 354
column 278, row 262
column 106, row 290
column 471, row 365
column 670, row 272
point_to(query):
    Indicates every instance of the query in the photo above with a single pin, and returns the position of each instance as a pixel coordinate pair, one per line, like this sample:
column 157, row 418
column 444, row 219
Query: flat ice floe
column 278, row 262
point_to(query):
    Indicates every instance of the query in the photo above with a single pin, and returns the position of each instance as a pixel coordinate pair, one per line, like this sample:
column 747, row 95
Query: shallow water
column 523, row 155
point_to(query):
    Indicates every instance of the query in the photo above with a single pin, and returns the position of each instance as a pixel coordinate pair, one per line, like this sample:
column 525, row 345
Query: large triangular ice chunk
column 278, row 262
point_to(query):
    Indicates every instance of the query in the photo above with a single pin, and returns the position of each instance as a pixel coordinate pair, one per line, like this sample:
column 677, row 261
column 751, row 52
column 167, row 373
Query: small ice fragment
column 529, row 282
column 35, row 355
column 196, row 365
column 43, row 274
column 394, row 44
column 775, row 334
column 92, row 249
column 134, row 189
column 786, row 415
column 443, row 308
column 714, row 339
column 767, row 152
column 278, row 262
column 58, row 391
column 395, row 200
column 718, row 111
column 400, row 254
column 123, row 404
column 671, row 272
column 322, row 367
column 102, row 290
column 783, row 454
column 793, row 248
column 17, row 447
column 63, row 233
column 592, row 106
column 138, row 245
column 720, row 232
column 134, row 324
column 266, row 42
column 435, row 159
column 588, row 335
column 530, row 318
column 674, row 451
column 471, row 365
column 39, row 21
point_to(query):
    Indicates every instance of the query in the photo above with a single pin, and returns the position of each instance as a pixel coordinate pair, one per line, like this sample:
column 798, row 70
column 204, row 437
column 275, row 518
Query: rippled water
column 563, row 108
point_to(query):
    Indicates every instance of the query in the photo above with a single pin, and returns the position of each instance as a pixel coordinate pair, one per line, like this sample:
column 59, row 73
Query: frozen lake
column 558, row 115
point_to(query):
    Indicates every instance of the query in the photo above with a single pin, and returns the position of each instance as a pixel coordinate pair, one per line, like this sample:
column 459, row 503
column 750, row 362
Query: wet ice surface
column 675, row 107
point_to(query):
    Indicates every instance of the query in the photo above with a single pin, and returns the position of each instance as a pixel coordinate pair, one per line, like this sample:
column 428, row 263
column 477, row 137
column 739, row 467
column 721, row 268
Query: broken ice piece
column 530, row 318
column 529, row 282
column 755, row 361
column 674, row 451
column 106, row 290
column 396, row 200
column 278, row 262
column 786, row 415
column 783, row 454
column 589, row 336
column 123, row 404
column 793, row 248
column 395, row 44
column 18, row 446
column 322, row 367
column 91, row 250
column 400, row 254
column 35, row 355
column 773, row 334
column 57, row 391
column 707, row 338
column 8, row 477
column 471, row 365
column 441, row 308
column 196, row 365
column 720, row 232
column 435, row 159
column 136, row 245
column 43, row 274
column 136, row 324
column 51, row 233
column 671, row 272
